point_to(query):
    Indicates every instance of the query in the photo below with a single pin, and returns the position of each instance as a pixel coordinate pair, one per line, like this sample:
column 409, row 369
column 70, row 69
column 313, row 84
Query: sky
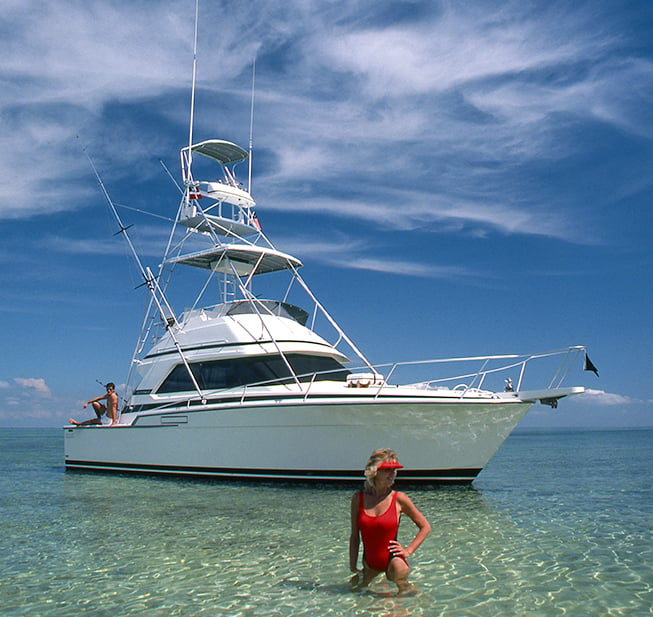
column 457, row 179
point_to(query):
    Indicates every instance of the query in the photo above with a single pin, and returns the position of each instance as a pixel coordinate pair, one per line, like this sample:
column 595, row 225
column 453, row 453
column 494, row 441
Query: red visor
column 390, row 465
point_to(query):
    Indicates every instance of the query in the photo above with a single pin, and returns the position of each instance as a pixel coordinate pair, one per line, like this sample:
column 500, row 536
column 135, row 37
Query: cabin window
column 235, row 372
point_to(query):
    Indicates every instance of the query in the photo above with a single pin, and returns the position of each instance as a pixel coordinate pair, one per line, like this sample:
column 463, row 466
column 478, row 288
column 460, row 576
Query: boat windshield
column 268, row 369
column 282, row 309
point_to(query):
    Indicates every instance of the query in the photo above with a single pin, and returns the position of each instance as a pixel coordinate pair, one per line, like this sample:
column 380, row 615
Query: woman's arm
column 424, row 528
column 354, row 536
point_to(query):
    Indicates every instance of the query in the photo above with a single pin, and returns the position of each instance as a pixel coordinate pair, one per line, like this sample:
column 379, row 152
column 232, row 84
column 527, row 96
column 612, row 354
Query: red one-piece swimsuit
column 377, row 531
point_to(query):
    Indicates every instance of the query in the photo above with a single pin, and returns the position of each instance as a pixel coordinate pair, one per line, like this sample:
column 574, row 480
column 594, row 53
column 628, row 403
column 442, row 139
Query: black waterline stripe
column 304, row 474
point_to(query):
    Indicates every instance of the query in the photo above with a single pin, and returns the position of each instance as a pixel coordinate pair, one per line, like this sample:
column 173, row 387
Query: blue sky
column 457, row 180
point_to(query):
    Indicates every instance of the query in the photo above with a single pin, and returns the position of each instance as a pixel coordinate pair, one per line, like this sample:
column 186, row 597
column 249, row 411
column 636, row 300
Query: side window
column 235, row 372
column 325, row 369
column 215, row 375
column 178, row 381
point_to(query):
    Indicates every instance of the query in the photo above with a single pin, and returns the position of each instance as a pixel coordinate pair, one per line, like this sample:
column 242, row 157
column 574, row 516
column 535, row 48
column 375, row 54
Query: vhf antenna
column 192, row 90
column 251, row 129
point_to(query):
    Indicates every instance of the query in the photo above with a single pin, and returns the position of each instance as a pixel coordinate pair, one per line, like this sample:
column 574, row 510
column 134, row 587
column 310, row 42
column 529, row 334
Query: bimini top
column 224, row 152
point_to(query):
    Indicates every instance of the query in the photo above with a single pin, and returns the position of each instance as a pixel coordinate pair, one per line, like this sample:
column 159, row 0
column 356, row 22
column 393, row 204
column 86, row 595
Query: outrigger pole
column 159, row 298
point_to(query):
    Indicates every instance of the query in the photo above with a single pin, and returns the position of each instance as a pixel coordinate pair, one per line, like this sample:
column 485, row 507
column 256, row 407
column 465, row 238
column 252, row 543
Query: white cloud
column 410, row 210
column 455, row 49
column 149, row 241
column 88, row 53
column 600, row 397
column 408, row 268
column 353, row 253
column 425, row 103
column 34, row 383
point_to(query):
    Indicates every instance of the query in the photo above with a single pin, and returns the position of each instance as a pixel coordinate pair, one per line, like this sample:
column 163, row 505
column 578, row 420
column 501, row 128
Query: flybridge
column 225, row 153
column 231, row 212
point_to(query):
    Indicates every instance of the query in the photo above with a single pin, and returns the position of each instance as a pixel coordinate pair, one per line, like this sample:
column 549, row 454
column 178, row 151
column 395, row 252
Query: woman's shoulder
column 402, row 498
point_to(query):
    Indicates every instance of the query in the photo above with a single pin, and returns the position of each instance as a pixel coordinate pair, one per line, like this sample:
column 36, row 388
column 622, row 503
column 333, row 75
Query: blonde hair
column 382, row 455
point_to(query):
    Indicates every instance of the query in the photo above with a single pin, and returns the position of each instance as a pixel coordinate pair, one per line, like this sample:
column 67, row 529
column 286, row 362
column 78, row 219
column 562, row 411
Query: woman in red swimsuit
column 375, row 514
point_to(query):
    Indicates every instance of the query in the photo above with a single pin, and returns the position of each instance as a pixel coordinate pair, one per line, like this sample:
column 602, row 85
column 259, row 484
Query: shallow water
column 558, row 524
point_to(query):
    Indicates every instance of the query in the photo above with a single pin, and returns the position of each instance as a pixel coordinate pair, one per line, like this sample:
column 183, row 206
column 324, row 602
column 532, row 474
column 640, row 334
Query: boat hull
column 305, row 441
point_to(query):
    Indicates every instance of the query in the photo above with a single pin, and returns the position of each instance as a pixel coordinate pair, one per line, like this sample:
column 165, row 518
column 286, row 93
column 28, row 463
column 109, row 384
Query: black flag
column 589, row 366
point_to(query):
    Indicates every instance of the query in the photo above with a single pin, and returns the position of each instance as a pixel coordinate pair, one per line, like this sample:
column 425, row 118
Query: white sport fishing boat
column 245, row 385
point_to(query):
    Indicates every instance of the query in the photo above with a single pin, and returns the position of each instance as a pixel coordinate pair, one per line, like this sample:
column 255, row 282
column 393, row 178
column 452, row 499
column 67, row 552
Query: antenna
column 251, row 129
column 192, row 90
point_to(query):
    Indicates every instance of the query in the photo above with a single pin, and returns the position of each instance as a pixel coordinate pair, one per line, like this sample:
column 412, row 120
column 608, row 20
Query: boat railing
column 466, row 383
column 477, row 378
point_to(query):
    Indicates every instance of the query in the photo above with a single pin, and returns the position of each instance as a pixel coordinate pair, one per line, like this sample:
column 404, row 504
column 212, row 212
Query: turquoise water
column 560, row 523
